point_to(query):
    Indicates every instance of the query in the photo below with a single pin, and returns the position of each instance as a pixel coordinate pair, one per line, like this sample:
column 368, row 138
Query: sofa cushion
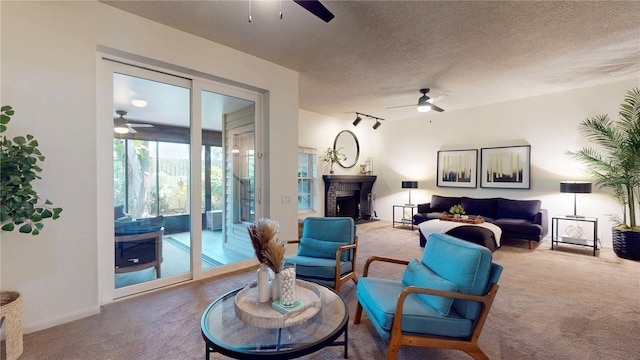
column 517, row 209
column 470, row 271
column 443, row 203
column 518, row 226
column 379, row 297
column 483, row 207
column 417, row 274
column 321, row 249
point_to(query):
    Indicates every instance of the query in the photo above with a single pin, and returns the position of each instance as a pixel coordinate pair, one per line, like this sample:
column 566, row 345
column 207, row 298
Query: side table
column 403, row 219
column 574, row 233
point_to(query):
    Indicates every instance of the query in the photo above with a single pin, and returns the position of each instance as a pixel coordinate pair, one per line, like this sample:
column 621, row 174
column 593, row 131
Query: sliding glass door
column 186, row 183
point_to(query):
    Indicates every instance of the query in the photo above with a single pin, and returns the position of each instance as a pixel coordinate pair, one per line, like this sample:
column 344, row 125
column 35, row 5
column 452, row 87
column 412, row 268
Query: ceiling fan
column 122, row 126
column 316, row 8
column 425, row 103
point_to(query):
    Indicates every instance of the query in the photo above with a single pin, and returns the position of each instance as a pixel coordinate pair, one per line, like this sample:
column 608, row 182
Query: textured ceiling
column 378, row 54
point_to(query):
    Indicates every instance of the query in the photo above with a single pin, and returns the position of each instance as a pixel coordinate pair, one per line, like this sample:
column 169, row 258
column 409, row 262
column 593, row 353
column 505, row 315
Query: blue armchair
column 442, row 301
column 326, row 251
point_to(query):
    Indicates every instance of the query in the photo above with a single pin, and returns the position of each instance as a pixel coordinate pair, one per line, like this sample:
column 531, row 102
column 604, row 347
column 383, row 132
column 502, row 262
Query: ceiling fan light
column 357, row 121
column 139, row 103
column 121, row 129
column 426, row 107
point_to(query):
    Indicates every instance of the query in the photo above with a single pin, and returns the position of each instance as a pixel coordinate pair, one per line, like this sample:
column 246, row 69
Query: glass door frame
column 107, row 64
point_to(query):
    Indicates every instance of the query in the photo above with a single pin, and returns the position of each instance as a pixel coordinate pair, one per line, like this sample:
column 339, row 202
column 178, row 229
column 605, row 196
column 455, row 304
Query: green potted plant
column 19, row 202
column 456, row 210
column 332, row 156
column 614, row 163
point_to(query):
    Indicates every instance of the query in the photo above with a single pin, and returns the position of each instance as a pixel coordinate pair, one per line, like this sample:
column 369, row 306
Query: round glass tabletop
column 225, row 333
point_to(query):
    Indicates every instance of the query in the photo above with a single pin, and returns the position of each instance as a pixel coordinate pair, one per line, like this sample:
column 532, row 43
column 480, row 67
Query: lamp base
column 575, row 216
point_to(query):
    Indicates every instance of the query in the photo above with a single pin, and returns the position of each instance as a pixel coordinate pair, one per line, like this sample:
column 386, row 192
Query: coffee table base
column 264, row 350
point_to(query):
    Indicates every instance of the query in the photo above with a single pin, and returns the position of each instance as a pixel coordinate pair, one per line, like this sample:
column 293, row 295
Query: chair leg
column 356, row 319
column 394, row 347
column 477, row 354
column 530, row 244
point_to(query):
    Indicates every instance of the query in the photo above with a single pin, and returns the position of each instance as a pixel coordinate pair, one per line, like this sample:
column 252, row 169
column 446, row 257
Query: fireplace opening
column 348, row 206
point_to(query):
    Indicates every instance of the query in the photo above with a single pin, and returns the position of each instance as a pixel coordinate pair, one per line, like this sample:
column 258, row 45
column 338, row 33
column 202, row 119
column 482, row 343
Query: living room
column 49, row 59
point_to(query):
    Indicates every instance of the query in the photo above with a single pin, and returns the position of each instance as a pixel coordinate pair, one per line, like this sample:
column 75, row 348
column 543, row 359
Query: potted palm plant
column 614, row 163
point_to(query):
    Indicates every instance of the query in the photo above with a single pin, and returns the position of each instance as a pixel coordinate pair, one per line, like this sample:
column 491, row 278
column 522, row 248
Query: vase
column 264, row 291
column 275, row 287
column 288, row 284
column 331, row 169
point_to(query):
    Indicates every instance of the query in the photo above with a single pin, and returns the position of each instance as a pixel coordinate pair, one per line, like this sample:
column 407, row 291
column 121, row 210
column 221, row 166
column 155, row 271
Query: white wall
column 407, row 149
column 49, row 75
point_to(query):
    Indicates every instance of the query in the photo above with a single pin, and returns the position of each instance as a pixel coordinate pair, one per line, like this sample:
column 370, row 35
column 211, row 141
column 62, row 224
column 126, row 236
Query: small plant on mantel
column 19, row 202
column 332, row 156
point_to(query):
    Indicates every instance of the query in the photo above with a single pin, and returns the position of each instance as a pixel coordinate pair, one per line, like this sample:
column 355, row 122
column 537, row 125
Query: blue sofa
column 518, row 219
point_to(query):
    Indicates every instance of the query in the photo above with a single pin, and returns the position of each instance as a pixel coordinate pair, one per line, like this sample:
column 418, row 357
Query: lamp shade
column 409, row 184
column 575, row 187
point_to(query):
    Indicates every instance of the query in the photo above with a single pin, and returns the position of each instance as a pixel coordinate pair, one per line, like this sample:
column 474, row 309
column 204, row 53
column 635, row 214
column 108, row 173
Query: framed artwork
column 507, row 167
column 457, row 168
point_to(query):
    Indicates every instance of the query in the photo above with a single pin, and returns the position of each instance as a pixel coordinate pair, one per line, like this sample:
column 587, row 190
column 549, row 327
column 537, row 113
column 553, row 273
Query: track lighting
column 358, row 119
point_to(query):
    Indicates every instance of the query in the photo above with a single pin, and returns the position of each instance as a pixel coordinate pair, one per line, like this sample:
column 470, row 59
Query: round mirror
column 347, row 142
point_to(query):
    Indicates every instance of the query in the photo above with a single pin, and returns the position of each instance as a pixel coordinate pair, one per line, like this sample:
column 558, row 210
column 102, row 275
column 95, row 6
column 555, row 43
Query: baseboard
column 55, row 321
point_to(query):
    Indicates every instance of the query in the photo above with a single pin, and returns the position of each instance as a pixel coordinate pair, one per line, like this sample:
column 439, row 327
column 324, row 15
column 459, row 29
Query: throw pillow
column 518, row 209
column 416, row 274
column 443, row 203
column 321, row 249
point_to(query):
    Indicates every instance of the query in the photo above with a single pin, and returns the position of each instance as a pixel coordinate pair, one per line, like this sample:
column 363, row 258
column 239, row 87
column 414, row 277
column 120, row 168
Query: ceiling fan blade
column 139, row 125
column 401, row 106
column 436, row 108
column 132, row 130
column 316, row 8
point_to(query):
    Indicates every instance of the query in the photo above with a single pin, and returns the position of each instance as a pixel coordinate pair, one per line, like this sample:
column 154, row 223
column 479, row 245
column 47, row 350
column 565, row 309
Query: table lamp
column 575, row 187
column 409, row 185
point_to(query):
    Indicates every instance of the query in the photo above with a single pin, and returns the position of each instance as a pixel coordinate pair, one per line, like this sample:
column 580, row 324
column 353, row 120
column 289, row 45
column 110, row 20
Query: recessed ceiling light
column 138, row 103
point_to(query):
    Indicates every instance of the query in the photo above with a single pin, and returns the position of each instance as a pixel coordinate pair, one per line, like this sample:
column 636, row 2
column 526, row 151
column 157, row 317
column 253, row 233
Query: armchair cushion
column 379, row 298
column 470, row 270
column 321, row 249
column 416, row 274
column 319, row 267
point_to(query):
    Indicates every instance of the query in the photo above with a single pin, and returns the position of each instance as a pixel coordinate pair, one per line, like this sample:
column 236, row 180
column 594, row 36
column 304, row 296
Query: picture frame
column 457, row 168
column 506, row 167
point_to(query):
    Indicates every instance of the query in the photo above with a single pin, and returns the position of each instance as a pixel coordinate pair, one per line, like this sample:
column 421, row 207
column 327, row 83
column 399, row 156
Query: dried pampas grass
column 262, row 232
column 274, row 254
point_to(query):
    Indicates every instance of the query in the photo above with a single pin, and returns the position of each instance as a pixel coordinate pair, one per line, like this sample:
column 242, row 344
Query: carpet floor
column 552, row 304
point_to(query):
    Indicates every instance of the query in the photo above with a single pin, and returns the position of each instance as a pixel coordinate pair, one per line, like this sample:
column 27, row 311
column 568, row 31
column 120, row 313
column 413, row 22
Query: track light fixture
column 358, row 119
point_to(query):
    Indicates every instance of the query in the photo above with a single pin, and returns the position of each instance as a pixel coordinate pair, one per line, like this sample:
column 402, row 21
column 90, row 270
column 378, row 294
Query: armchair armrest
column 383, row 259
column 353, row 247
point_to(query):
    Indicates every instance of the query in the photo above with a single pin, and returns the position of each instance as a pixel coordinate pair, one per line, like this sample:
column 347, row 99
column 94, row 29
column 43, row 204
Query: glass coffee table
column 225, row 333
